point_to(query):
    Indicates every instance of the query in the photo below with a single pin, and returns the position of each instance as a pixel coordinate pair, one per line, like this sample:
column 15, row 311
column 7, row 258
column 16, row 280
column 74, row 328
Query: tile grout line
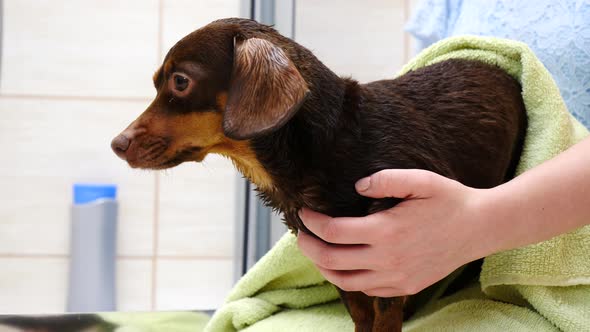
column 155, row 239
column 173, row 257
column 156, row 228
column 29, row 256
column 122, row 257
column 72, row 98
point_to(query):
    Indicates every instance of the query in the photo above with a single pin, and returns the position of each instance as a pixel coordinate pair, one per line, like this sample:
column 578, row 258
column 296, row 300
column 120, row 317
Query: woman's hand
column 442, row 224
column 402, row 250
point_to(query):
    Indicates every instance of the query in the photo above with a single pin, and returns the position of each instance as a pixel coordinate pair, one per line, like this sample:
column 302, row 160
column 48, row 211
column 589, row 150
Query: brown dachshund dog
column 304, row 135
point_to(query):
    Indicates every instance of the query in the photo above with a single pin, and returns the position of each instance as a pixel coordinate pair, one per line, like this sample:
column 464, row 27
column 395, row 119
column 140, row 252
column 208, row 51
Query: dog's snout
column 120, row 144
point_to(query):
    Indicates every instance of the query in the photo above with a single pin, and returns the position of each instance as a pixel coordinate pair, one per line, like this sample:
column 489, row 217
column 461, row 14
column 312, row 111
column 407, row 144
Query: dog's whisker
column 151, row 145
column 152, row 154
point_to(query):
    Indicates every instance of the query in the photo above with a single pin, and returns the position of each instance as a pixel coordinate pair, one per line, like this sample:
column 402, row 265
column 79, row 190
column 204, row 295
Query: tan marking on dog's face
column 195, row 129
column 170, row 139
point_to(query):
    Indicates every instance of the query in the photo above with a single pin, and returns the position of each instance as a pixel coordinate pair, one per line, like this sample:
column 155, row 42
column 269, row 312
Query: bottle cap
column 88, row 193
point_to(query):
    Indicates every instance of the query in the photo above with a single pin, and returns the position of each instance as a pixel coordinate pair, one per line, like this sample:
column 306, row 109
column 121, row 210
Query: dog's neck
column 292, row 156
column 246, row 162
column 268, row 160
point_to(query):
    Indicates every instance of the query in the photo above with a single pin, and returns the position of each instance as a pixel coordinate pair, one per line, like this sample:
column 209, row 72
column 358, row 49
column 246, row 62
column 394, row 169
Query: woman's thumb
column 400, row 183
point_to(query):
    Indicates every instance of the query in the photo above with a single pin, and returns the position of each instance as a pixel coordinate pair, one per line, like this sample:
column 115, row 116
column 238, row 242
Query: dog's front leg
column 360, row 308
column 374, row 314
column 389, row 314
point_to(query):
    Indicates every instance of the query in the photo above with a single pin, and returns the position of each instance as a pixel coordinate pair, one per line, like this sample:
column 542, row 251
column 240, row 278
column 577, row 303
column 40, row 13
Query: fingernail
column 363, row 184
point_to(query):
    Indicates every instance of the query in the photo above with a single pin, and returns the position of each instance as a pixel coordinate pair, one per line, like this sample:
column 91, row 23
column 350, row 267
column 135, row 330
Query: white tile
column 34, row 215
column 359, row 38
column 33, row 286
column 193, row 284
column 50, row 144
column 23, row 291
column 134, row 284
column 181, row 17
column 198, row 209
column 72, row 47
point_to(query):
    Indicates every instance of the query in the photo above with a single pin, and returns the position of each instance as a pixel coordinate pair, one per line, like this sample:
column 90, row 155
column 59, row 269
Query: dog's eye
column 180, row 82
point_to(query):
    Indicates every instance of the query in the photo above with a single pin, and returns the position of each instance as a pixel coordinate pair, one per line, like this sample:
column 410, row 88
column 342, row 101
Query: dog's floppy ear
column 265, row 91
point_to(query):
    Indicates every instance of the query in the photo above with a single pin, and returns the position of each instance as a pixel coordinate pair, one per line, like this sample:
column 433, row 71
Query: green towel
column 156, row 321
column 282, row 292
column 542, row 287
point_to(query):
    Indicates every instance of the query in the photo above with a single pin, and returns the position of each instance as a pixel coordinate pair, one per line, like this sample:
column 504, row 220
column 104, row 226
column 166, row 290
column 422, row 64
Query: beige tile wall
column 74, row 73
column 362, row 39
column 79, row 48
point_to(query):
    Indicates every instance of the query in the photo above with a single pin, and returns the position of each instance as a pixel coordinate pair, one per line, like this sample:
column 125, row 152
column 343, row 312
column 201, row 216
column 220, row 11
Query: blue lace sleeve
column 558, row 31
column 432, row 20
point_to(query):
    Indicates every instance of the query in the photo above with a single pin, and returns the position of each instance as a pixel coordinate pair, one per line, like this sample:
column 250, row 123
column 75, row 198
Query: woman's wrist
column 516, row 214
column 499, row 219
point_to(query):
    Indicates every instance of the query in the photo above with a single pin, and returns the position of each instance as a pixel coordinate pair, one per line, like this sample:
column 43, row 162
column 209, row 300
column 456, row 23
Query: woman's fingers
column 336, row 257
column 400, row 183
column 402, row 250
column 340, row 230
column 384, row 292
column 364, row 281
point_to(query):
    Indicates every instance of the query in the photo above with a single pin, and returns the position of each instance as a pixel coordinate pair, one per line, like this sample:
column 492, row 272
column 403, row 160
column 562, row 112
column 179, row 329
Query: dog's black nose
column 120, row 144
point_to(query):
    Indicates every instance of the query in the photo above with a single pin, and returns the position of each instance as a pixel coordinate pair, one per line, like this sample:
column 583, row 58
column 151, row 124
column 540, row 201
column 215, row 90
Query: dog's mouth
column 187, row 154
column 153, row 155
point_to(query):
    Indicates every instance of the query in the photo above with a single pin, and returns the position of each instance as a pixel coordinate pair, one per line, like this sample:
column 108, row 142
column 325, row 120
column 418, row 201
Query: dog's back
column 461, row 119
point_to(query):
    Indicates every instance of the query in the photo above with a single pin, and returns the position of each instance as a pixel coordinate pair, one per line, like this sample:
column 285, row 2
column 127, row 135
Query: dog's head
column 219, row 87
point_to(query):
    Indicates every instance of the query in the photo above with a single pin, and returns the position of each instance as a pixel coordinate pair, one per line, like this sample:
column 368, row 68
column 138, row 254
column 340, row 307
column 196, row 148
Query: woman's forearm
column 548, row 200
